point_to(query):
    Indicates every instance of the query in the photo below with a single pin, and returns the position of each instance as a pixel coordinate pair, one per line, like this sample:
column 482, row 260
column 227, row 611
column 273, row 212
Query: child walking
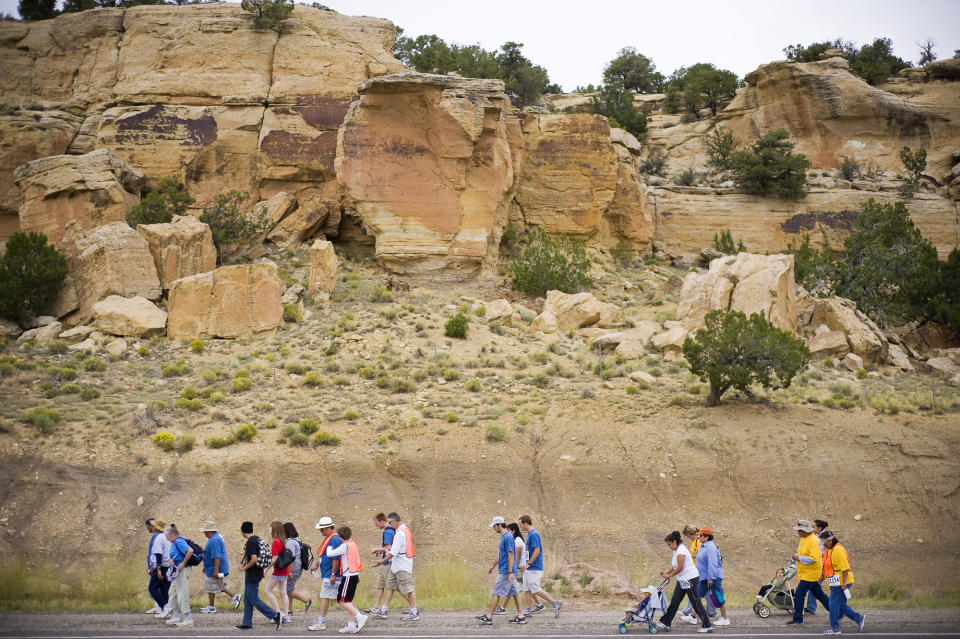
column 350, row 565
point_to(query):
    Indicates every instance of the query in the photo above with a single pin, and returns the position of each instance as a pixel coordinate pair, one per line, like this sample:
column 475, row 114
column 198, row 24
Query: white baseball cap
column 325, row 522
column 497, row 520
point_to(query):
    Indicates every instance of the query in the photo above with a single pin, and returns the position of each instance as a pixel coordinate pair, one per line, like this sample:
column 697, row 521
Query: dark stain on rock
column 284, row 147
column 155, row 123
column 808, row 221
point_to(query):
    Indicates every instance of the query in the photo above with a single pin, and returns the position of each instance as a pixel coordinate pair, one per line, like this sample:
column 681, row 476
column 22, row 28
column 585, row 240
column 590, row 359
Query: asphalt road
column 462, row 625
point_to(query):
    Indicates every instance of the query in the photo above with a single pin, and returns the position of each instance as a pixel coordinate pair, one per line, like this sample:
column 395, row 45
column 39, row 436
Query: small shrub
column 451, row 417
column 209, row 375
column 541, row 380
column 295, row 368
column 175, row 369
column 480, row 311
column 382, row 295
column 228, row 223
column 217, row 396
column 496, row 433
column 267, row 14
column 30, row 275
column 725, row 244
column 70, row 389
column 323, row 438
column 160, row 205
column 240, row 384
column 292, row 314
column 545, row 265
column 456, row 326
column 143, row 351
column 403, row 385
column 57, row 347
column 849, row 169
column 632, row 390
column 449, row 374
column 165, row 441
column 299, row 440
column 93, row 364
column 185, row 443
column 219, row 442
column 313, row 379
column 915, row 162
column 341, row 380
column 474, row 385
column 7, row 369
column 720, row 145
column 66, row 373
column 770, row 167
column 189, row 392
column 351, row 415
column 43, row 419
column 192, row 405
column 196, row 345
column 862, row 373
column 245, row 433
column 686, row 177
column 655, row 163
column 308, row 426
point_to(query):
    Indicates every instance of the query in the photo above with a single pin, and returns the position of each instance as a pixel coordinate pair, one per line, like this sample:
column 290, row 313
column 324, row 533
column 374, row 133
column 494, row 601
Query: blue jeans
column 159, row 589
column 811, row 602
column 803, row 587
column 839, row 608
column 251, row 600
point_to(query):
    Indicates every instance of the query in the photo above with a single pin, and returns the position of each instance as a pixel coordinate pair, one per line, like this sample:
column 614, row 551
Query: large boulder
column 42, row 335
column 129, row 316
column 232, row 301
column 93, row 189
column 323, row 267
column 578, row 310
column 745, row 282
column 180, row 248
column 9, row 331
column 426, row 164
column 828, row 343
column 112, row 259
column 864, row 338
column 670, row 342
column 633, row 343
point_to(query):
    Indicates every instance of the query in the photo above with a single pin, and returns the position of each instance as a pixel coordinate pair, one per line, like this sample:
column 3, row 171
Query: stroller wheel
column 623, row 628
column 653, row 629
column 761, row 610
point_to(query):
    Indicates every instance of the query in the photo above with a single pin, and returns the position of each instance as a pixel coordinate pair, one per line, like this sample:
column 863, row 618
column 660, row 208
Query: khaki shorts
column 214, row 584
column 329, row 589
column 383, row 573
column 531, row 580
column 401, row 581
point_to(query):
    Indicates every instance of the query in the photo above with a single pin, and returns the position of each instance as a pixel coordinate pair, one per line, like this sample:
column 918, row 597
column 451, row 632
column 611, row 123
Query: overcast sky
column 573, row 40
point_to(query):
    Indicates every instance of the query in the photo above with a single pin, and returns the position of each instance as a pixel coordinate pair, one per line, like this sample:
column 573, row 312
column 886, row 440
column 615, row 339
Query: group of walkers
column 172, row 557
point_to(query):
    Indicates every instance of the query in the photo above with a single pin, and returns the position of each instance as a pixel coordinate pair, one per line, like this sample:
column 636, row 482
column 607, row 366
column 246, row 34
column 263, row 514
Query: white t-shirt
column 521, row 551
column 161, row 546
column 341, row 551
column 400, row 562
column 689, row 568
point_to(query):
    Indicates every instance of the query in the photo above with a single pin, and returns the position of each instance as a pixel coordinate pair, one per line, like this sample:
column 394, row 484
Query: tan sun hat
column 209, row 526
column 804, row 525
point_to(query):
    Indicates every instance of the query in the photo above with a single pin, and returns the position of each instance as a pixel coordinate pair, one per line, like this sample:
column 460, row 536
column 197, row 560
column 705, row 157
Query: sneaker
column 689, row 619
column 285, row 619
column 863, row 620
column 153, row 610
column 244, row 627
column 499, row 610
column 361, row 621
column 831, row 631
column 411, row 616
column 710, row 629
column 556, row 608
column 721, row 622
column 662, row 626
column 208, row 610
column 794, row 622
column 485, row 620
column 317, row 626
column 278, row 620
column 186, row 622
column 538, row 608
column 350, row 628
column 527, row 611
column 307, row 608
column 236, row 601
column 162, row 615
column 377, row 613
column 173, row 620
column 518, row 619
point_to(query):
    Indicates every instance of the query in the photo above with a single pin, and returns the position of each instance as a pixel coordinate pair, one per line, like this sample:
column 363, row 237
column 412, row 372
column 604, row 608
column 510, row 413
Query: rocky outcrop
column 232, row 301
column 864, row 339
column 323, row 267
column 129, row 316
column 566, row 312
column 745, row 282
column 181, row 248
column 112, row 259
column 93, row 189
column 453, row 134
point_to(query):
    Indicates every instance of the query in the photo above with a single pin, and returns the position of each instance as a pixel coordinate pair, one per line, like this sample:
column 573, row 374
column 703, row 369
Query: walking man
column 400, row 556
column 253, row 575
column 329, row 570
column 809, row 567
column 533, row 572
column 506, row 584
column 382, row 571
column 216, row 567
column 819, row 526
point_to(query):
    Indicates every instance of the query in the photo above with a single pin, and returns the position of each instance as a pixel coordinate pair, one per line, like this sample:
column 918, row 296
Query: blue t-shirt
column 215, row 548
column 388, row 535
column 507, row 545
column 533, row 541
column 326, row 563
column 178, row 550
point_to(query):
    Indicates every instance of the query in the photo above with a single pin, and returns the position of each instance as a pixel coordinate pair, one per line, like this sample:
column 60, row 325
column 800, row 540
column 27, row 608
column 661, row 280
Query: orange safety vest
column 409, row 551
column 353, row 557
column 828, row 570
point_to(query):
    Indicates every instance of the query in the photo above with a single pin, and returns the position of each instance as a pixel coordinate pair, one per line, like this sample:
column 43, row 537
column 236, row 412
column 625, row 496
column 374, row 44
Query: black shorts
column 348, row 587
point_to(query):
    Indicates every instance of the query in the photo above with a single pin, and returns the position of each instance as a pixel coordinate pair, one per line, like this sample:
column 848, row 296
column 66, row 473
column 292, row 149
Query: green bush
column 496, row 433
column 30, row 275
column 292, row 314
column 191, row 405
column 720, row 145
column 770, row 167
column 449, row 374
column 70, row 389
column 89, row 393
column 43, row 419
column 189, row 392
column 196, row 345
column 403, row 385
column 544, row 265
column 726, row 245
column 451, row 417
column 473, row 385
column 93, row 364
column 185, row 443
column 313, row 378
column 456, row 326
column 733, row 351
column 655, row 162
column 381, row 295
column 267, row 14
column 165, row 441
column 245, row 433
column 219, row 442
column 240, row 384
column 323, row 438
column 308, row 426
column 915, row 163
column 299, row 440
column 229, row 224
column 849, row 169
column 351, row 415
column 160, row 205
column 175, row 369
column 57, row 347
column 295, row 368
column 66, row 374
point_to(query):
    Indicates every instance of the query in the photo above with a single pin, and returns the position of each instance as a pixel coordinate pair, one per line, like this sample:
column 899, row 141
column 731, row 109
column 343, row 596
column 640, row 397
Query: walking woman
column 158, row 561
column 836, row 570
column 278, row 580
column 296, row 569
column 687, row 583
column 181, row 558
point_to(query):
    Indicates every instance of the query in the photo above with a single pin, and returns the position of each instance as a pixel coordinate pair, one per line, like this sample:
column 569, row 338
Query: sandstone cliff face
column 426, row 164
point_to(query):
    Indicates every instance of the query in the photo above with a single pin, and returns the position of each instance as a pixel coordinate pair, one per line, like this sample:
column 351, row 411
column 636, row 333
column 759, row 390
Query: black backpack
column 197, row 557
column 306, row 555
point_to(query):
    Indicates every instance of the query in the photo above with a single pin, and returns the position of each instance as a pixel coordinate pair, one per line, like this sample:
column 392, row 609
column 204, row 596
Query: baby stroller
column 778, row 594
column 646, row 609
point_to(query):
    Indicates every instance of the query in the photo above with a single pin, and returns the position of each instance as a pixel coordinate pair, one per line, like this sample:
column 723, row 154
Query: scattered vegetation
column 160, row 205
column 230, row 225
column 43, row 419
column 873, row 62
column 31, row 272
column 725, row 244
column 720, row 145
column 545, row 264
column 267, row 14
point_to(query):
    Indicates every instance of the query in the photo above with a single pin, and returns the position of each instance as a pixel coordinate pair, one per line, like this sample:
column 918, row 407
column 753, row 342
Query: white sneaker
column 317, row 626
column 164, row 614
column 173, row 620
column 662, row 626
column 689, row 619
column 350, row 628
column 153, row 610
column 361, row 621
column 186, row 622
column 705, row 629
column 236, row 601
column 207, row 610
column 721, row 622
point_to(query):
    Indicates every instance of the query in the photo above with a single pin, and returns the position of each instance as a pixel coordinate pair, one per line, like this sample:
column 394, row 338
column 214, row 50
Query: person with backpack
column 216, row 567
column 281, row 560
column 184, row 555
column 256, row 558
column 158, row 560
column 297, row 548
column 383, row 571
column 350, row 566
column 400, row 557
column 329, row 570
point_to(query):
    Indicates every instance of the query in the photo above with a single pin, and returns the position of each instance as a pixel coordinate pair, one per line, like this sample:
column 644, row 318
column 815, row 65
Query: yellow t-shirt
column 694, row 548
column 808, row 547
column 835, row 561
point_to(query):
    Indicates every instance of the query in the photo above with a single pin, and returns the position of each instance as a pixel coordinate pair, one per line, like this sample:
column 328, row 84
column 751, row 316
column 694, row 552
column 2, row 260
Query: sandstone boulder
column 579, row 310
column 896, row 356
column 942, row 364
column 43, row 335
column 498, row 310
column 864, row 338
column 276, row 209
column 670, row 342
column 852, row 362
column 112, row 259
column 232, row 301
column 116, row 347
column 129, row 316
column 181, row 248
column 745, row 282
column 545, row 322
column 828, row 344
column 634, row 341
column 323, row 267
column 642, row 377
column 94, row 189
column 9, row 331
column 76, row 334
